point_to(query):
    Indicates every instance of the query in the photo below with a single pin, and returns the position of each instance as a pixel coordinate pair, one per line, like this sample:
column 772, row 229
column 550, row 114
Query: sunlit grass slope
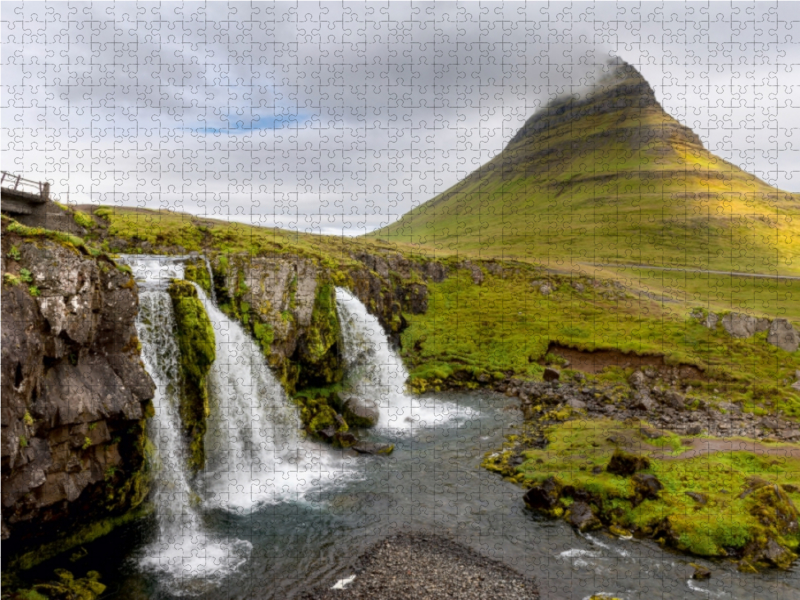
column 611, row 178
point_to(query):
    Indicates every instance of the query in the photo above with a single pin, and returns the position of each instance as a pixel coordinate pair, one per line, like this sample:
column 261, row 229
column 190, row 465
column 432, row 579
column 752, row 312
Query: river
column 276, row 513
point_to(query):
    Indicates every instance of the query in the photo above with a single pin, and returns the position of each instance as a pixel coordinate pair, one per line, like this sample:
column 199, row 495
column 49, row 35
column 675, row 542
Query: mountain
column 610, row 178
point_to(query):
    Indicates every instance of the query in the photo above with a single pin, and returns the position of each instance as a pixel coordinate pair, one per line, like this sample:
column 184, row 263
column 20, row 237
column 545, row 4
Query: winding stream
column 285, row 512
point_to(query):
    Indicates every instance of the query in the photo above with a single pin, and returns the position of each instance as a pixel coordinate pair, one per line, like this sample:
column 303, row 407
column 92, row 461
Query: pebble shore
column 427, row 567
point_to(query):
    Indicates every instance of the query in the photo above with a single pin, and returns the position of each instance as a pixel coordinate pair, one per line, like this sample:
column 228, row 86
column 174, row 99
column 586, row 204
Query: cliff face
column 75, row 392
column 288, row 304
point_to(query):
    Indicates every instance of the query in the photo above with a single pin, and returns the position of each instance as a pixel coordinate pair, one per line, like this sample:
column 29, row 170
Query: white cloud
column 340, row 118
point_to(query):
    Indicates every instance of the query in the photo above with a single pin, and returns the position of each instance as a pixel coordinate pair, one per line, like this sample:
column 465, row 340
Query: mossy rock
column 84, row 588
column 198, row 273
column 197, row 344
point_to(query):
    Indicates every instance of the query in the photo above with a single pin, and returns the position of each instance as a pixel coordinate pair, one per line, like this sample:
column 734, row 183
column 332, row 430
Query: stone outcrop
column 75, row 392
column 781, row 333
column 739, row 325
column 288, row 303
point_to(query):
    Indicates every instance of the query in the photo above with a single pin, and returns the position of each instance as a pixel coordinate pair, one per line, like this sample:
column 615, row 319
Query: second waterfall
column 255, row 450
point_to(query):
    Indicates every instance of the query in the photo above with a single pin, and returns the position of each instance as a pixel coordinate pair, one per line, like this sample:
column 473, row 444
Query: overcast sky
column 338, row 117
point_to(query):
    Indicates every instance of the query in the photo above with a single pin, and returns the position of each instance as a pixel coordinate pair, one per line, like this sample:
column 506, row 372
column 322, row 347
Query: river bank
column 426, row 567
column 431, row 483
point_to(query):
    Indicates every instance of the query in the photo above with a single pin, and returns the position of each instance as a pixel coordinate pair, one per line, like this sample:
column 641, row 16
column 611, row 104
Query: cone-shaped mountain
column 611, row 177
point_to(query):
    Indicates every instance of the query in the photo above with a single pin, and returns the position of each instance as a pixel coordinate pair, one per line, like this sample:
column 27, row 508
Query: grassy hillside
column 505, row 325
column 610, row 179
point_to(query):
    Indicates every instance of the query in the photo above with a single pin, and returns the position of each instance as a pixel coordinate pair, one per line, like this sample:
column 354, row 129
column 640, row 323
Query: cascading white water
column 255, row 451
column 190, row 561
column 376, row 373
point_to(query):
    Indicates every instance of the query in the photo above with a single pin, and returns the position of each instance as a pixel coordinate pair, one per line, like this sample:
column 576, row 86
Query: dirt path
column 707, row 447
column 683, row 270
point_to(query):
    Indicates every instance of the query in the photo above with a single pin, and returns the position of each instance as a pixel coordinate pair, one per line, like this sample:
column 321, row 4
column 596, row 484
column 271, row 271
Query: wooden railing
column 25, row 187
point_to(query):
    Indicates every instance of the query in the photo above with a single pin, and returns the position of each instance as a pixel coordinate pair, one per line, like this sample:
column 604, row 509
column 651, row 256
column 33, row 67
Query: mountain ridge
column 615, row 167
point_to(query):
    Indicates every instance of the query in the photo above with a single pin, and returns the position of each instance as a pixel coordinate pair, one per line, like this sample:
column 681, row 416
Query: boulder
column 361, row 412
column 373, row 448
column 626, row 464
column 581, row 517
column 708, row 320
column 700, row 572
column 637, row 380
column 647, row 486
column 551, row 374
column 474, row 270
column 345, row 439
column 435, row 271
column 643, row 401
column 742, row 326
column 674, row 400
column 783, row 335
column 701, row 499
column 543, row 496
column 576, row 404
column 650, row 433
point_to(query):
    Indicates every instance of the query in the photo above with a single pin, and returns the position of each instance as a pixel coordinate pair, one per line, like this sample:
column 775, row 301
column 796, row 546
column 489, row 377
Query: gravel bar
column 426, row 567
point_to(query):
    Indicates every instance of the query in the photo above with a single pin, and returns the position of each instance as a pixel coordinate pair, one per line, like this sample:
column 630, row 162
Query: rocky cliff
column 75, row 392
column 288, row 303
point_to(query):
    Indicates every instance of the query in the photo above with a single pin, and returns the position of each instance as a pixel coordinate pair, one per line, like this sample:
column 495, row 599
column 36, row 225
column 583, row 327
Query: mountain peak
column 621, row 89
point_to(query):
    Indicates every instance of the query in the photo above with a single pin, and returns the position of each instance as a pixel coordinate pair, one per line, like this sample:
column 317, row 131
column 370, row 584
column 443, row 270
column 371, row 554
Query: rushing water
column 376, row 372
column 184, row 556
column 255, row 450
column 306, row 511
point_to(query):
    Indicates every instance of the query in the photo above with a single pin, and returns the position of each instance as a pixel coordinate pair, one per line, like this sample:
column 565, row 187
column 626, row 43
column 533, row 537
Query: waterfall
column 189, row 560
column 255, row 451
column 377, row 375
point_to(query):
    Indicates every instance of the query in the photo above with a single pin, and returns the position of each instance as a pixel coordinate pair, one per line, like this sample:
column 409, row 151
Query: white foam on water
column 708, row 593
column 342, row 583
column 578, row 552
column 154, row 272
column 376, row 373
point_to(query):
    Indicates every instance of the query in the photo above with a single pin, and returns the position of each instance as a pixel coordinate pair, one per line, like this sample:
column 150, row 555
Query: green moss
column 320, row 363
column 198, row 273
column 82, row 536
column 65, row 239
column 505, row 325
column 264, row 335
column 83, row 220
column 196, row 341
column 735, row 514
column 317, row 414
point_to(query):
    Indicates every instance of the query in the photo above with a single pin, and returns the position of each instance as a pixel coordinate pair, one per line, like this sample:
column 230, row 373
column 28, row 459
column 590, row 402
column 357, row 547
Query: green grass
column 506, row 325
column 764, row 297
column 168, row 232
column 585, row 191
column 725, row 521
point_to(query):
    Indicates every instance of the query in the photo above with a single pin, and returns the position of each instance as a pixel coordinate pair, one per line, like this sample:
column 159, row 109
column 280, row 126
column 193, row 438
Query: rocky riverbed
column 426, row 567
column 657, row 396
column 640, row 458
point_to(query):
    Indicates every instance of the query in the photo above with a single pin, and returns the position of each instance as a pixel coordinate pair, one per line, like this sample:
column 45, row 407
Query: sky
column 338, row 118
